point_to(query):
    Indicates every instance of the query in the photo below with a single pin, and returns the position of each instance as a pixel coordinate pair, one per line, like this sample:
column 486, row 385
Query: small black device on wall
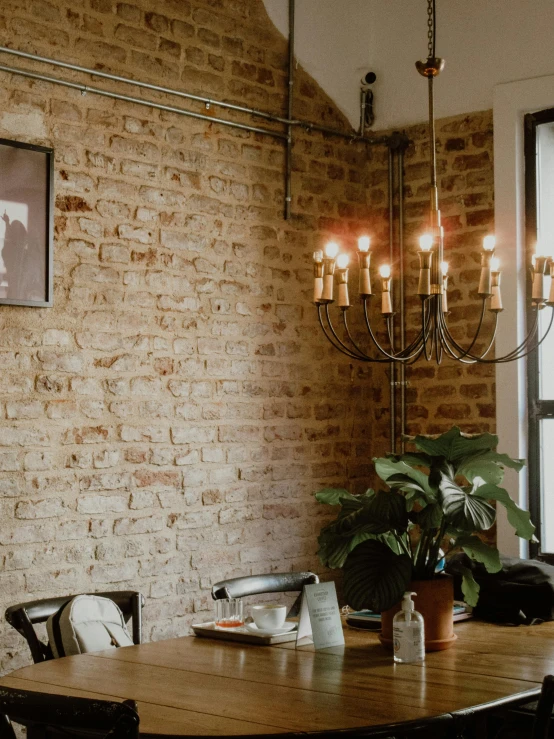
column 26, row 224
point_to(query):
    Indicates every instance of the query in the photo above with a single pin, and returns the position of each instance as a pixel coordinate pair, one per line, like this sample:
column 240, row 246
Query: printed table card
column 320, row 620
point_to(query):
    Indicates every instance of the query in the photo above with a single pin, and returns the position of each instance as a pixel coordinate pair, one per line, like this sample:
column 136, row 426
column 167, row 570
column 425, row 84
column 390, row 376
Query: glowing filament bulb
column 342, row 261
column 363, row 243
column 444, row 268
column 318, row 256
column 384, row 271
column 425, row 242
column 489, row 242
column 495, row 264
column 331, row 249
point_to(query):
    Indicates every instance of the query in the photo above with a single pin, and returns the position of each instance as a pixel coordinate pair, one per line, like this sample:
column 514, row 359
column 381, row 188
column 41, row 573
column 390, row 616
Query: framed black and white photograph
column 26, row 224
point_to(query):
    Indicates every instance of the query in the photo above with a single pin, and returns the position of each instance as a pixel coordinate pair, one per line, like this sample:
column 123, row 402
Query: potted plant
column 390, row 541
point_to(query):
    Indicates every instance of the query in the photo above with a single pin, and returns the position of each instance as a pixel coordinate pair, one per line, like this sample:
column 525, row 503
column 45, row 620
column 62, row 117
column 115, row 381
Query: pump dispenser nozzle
column 407, row 602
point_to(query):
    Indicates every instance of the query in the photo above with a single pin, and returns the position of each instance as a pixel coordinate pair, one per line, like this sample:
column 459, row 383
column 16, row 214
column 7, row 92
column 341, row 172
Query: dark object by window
column 26, row 224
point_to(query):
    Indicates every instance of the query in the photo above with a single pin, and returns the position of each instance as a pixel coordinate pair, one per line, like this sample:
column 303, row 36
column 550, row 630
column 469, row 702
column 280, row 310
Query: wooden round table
column 207, row 687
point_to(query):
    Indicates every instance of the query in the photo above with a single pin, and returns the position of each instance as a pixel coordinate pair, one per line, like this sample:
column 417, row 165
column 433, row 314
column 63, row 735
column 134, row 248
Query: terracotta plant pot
column 435, row 602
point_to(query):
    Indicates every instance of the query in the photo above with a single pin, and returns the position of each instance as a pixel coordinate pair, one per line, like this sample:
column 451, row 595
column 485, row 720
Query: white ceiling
column 484, row 42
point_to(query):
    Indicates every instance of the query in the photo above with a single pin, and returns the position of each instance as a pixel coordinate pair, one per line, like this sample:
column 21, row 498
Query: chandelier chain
column 431, row 28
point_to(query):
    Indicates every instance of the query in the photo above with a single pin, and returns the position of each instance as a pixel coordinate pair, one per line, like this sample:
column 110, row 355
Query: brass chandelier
column 434, row 338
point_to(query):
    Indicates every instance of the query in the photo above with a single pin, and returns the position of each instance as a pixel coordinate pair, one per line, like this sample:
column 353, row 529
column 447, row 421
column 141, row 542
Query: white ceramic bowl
column 268, row 617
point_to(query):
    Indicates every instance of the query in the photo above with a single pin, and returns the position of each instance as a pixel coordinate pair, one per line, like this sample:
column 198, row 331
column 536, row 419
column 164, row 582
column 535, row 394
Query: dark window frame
column 537, row 408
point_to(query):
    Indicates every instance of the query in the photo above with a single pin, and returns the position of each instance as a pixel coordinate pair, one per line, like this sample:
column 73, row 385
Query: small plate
column 284, row 629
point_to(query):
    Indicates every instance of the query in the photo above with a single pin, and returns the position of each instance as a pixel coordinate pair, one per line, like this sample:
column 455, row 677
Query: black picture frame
column 26, row 224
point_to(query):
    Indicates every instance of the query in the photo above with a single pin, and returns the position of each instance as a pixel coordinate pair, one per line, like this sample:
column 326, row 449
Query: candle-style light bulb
column 363, row 243
column 331, row 249
column 426, row 242
column 384, row 271
column 495, row 264
column 342, row 261
column 444, row 268
column 318, row 276
column 489, row 242
column 425, row 259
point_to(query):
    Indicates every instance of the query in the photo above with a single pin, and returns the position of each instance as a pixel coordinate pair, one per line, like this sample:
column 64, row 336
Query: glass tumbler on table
column 229, row 613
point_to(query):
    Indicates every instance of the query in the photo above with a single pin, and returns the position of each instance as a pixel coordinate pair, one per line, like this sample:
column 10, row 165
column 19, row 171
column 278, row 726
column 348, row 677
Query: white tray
column 241, row 634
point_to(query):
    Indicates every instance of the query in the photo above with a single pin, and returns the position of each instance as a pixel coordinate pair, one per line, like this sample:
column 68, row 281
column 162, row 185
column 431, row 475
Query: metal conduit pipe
column 391, row 262
column 290, row 100
column 139, row 101
column 402, row 297
column 307, row 125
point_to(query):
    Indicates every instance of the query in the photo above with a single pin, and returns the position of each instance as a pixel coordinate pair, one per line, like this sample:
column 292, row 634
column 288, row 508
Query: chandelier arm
column 356, row 347
column 340, row 349
column 520, row 352
column 513, row 353
column 344, row 346
column 393, row 357
column 466, row 352
column 447, row 337
column 508, row 358
column 418, row 342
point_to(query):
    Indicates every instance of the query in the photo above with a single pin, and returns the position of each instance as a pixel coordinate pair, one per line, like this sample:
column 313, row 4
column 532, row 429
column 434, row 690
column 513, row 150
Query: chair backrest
column 23, row 615
column 541, row 726
column 42, row 712
column 276, row 582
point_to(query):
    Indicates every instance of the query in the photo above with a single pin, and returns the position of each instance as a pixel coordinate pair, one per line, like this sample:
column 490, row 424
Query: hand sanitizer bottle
column 408, row 633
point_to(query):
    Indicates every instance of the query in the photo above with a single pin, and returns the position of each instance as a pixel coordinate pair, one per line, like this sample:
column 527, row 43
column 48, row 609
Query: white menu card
column 320, row 620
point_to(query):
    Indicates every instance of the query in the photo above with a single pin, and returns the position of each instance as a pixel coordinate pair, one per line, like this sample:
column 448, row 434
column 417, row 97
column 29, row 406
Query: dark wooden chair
column 276, row 582
column 48, row 716
column 543, row 714
column 24, row 615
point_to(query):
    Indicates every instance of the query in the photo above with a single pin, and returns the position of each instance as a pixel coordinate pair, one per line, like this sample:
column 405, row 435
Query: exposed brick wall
column 167, row 421
column 438, row 397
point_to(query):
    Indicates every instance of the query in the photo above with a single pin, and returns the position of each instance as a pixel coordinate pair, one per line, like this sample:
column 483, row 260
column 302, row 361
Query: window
column 539, row 226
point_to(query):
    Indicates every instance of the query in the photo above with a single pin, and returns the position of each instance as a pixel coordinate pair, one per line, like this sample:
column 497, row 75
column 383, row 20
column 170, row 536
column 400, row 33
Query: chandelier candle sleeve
column 539, row 268
column 386, row 302
column 364, row 258
column 342, row 279
column 318, row 276
column 425, row 258
column 485, row 285
column 444, row 272
column 550, row 300
column 331, row 251
column 496, row 297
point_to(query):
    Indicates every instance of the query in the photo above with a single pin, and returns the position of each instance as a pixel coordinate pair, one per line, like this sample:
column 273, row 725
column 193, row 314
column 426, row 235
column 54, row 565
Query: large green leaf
column 375, row 577
column 333, row 496
column 517, row 517
column 387, row 467
column 470, row 588
column 334, row 549
column 429, row 517
column 488, row 465
column 478, row 551
column 453, row 446
column 464, row 510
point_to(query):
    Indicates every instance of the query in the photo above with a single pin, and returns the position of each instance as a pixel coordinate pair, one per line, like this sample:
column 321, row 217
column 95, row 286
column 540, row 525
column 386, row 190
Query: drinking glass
column 229, row 613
